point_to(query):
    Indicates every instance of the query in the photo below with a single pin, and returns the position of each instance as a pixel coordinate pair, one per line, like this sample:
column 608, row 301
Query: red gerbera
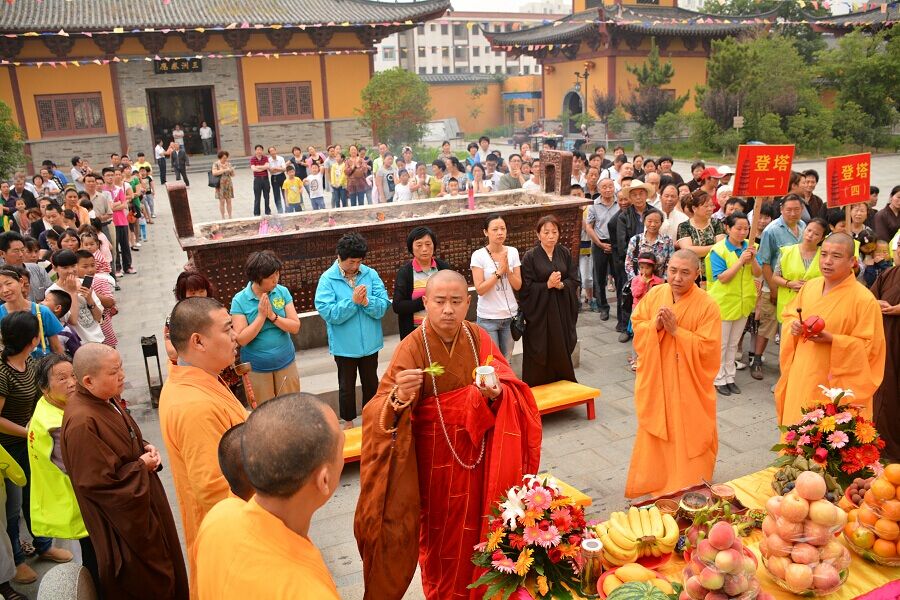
column 516, row 541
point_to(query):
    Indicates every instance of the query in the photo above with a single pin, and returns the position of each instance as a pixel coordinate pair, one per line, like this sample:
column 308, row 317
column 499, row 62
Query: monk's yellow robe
column 854, row 360
column 243, row 551
column 195, row 410
column 674, row 396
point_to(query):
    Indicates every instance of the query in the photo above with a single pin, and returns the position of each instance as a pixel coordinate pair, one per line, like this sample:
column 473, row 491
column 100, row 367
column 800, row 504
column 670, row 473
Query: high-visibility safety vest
column 737, row 298
column 792, row 268
column 54, row 510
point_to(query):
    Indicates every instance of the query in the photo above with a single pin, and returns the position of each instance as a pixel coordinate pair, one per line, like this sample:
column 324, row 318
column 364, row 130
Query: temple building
column 92, row 77
column 592, row 48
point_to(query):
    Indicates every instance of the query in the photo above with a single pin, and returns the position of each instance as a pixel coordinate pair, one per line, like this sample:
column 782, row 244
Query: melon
column 637, row 590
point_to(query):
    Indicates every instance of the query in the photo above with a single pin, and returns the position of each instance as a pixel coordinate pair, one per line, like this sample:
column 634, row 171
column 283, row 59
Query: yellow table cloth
column 753, row 490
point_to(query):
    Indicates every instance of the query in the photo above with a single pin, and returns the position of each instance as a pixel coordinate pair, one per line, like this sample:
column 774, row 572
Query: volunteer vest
column 54, row 510
column 737, row 298
column 792, row 268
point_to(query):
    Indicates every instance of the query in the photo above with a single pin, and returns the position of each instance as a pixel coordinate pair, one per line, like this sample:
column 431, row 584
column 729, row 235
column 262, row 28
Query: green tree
column 615, row 123
column 11, row 143
column 648, row 101
column 669, row 126
column 604, row 106
column 475, row 93
column 396, row 106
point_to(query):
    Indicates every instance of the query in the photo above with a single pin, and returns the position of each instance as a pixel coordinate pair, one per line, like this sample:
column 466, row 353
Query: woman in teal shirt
column 264, row 318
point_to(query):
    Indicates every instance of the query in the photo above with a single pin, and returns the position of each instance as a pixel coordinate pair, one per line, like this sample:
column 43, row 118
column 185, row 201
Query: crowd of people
column 693, row 269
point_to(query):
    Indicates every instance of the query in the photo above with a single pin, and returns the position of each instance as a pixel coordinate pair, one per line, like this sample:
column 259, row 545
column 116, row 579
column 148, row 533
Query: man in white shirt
column 410, row 163
column 79, row 168
column 672, row 216
column 490, row 171
column 206, row 138
column 277, row 166
column 652, row 179
column 160, row 153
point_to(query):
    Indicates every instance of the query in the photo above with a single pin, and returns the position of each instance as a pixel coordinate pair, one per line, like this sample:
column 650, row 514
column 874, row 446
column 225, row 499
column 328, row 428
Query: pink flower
column 505, row 565
column 803, row 441
column 844, row 417
column 806, row 428
column 480, row 547
column 821, row 453
column 877, row 468
column 838, row 439
column 532, row 535
column 549, row 537
column 813, row 415
column 790, row 436
column 561, row 518
column 538, row 498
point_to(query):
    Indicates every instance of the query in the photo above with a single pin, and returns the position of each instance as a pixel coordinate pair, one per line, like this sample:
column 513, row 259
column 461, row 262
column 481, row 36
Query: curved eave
column 865, row 19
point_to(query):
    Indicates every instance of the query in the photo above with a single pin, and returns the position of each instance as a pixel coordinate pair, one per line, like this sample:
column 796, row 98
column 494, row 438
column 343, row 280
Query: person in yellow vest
column 54, row 509
column 9, row 469
column 731, row 268
column 798, row 263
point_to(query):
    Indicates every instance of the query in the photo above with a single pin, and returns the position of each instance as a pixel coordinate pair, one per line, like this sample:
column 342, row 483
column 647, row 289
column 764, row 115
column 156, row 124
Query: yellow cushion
column 580, row 498
column 352, row 442
column 561, row 393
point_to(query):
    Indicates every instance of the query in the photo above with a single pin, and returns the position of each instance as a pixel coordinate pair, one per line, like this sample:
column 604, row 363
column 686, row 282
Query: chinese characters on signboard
column 763, row 170
column 847, row 178
column 164, row 66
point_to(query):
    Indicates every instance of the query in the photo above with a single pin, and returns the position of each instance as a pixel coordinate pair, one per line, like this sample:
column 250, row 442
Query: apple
column 748, row 554
column 788, row 530
column 764, row 547
column 765, row 596
column 823, row 512
column 861, row 536
column 729, row 561
column 831, row 551
column 777, row 546
column 721, row 535
column 735, row 585
column 777, row 565
column 810, row 486
column 712, row 578
column 804, row 554
column 706, row 552
column 715, row 596
column 694, row 588
column 768, row 525
column 815, row 534
column 841, row 520
column 798, row 577
column 844, row 561
column 825, row 577
column 773, row 505
column 685, row 596
column 794, row 508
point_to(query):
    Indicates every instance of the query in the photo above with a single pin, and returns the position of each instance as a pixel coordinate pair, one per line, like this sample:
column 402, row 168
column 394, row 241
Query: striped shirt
column 420, row 279
column 20, row 393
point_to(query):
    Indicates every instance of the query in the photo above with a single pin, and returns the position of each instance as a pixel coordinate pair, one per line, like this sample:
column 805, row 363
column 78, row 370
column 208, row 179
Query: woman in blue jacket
column 352, row 299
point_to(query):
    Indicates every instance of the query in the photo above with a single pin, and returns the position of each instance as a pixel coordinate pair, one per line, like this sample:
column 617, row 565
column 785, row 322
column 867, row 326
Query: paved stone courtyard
column 591, row 455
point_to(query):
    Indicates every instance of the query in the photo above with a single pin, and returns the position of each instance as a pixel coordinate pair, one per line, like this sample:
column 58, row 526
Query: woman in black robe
column 549, row 300
column 887, row 399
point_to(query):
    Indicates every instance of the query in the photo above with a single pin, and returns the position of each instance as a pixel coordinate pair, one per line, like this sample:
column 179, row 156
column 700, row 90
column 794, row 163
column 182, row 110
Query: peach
column 798, row 577
column 684, row 596
column 713, row 579
column 777, row 546
column 764, row 547
column 825, row 577
column 715, row 596
column 841, row 520
column 794, row 508
column 824, row 513
column 765, row 596
column 721, row 535
column 773, row 505
column 706, row 552
column 789, row 531
column 768, row 525
column 815, row 534
column 804, row 554
column 735, row 585
column 777, row 565
column 694, row 588
column 844, row 561
column 810, row 486
column 729, row 561
column 832, row 551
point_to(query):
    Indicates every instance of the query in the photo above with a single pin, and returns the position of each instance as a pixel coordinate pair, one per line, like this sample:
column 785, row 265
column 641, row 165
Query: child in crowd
column 585, row 262
column 642, row 283
column 339, row 183
column 32, row 250
column 86, row 310
column 101, row 286
column 293, row 190
column 146, row 181
column 60, row 302
column 315, row 186
column 402, row 191
column 877, row 262
column 69, row 220
column 452, row 187
column 763, row 324
column 21, row 216
column 97, row 244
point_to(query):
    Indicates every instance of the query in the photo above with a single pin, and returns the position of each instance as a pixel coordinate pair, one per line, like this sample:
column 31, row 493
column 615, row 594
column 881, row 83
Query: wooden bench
column 560, row 395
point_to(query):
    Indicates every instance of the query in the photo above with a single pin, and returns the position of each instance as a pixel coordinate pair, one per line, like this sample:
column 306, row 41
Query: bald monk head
column 200, row 329
column 683, row 269
column 446, row 302
column 293, row 453
column 837, row 258
column 98, row 368
column 232, row 465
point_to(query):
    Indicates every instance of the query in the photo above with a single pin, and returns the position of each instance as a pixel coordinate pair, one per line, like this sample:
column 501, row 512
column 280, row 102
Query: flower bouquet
column 533, row 536
column 831, row 438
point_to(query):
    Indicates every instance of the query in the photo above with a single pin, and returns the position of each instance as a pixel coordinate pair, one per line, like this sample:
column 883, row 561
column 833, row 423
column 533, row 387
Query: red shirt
column 262, row 161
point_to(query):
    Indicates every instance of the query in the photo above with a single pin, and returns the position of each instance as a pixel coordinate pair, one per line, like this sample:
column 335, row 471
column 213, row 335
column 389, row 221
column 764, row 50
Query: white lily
column 513, row 508
column 834, row 393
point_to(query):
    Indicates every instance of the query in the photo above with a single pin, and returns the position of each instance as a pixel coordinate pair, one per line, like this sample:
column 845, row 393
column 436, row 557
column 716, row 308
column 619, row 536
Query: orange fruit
column 866, row 516
column 850, row 527
column 892, row 473
column 853, row 516
column 869, row 498
column 891, row 509
column 887, row 530
column 883, row 489
column 884, row 548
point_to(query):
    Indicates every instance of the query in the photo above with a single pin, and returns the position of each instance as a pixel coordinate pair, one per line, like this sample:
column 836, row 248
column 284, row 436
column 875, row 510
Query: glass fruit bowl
column 869, row 554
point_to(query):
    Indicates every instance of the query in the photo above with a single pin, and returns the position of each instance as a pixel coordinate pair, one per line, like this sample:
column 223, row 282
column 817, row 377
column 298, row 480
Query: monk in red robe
column 677, row 333
column 438, row 451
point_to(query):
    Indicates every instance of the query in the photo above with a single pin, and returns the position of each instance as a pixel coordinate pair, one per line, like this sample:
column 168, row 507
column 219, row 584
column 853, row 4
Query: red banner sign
column 763, row 170
column 847, row 178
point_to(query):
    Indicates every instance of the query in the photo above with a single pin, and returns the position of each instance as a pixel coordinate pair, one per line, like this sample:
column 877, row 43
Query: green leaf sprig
column 434, row 369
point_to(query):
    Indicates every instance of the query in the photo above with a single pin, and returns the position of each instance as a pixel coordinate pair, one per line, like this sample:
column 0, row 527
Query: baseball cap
column 710, row 172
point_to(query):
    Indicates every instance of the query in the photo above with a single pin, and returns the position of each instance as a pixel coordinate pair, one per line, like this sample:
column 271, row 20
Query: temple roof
column 439, row 78
column 106, row 15
column 645, row 19
column 885, row 15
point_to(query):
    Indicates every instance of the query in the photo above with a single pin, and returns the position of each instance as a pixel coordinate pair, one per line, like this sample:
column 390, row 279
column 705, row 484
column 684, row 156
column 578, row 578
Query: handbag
column 517, row 325
column 213, row 179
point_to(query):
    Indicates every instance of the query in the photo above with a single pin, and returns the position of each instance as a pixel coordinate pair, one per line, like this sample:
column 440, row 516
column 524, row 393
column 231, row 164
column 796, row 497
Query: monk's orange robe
column 245, row 552
column 854, row 360
column 417, row 503
column 195, row 410
column 674, row 396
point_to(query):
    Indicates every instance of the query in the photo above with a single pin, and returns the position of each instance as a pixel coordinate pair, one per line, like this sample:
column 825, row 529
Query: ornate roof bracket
column 10, row 47
column 195, row 40
column 152, row 41
column 59, row 45
column 571, row 51
column 321, row 36
column 108, row 43
column 236, row 38
column 370, row 36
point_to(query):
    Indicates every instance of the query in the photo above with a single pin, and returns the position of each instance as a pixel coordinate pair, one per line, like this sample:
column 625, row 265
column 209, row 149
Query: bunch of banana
column 639, row 532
